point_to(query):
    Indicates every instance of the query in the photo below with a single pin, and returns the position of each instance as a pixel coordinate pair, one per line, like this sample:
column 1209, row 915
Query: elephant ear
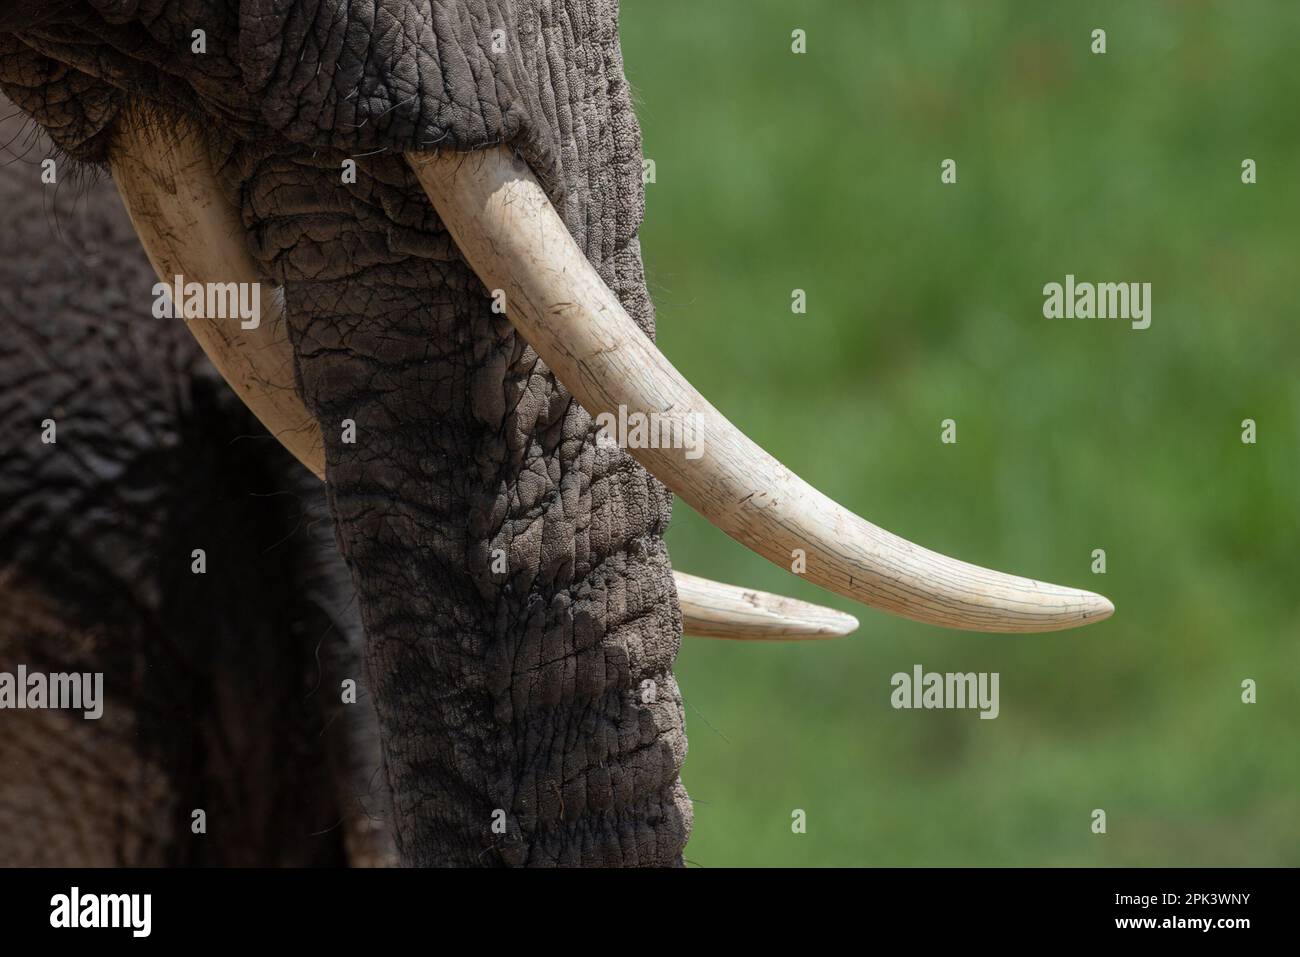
column 405, row 75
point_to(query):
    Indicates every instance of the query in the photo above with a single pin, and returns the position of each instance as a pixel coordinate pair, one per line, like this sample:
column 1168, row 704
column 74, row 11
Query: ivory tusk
column 507, row 229
column 188, row 228
column 714, row 610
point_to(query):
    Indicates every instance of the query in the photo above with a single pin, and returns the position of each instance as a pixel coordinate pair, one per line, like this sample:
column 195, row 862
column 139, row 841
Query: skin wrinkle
column 519, row 691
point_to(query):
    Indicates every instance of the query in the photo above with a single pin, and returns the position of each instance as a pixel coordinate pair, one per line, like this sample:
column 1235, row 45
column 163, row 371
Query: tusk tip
column 837, row 624
column 1100, row 608
column 1085, row 608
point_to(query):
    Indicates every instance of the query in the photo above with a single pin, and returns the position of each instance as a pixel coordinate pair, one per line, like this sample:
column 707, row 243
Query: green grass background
column 821, row 172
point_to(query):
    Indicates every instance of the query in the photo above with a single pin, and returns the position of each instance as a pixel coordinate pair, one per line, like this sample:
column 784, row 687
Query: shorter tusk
column 189, row 229
column 713, row 610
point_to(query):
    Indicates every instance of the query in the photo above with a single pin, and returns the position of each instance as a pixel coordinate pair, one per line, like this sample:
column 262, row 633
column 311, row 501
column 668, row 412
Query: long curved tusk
column 188, row 228
column 714, row 610
column 511, row 235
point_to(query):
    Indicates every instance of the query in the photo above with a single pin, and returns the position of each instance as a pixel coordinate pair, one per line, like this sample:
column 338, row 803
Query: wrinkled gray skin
column 519, row 692
column 222, row 691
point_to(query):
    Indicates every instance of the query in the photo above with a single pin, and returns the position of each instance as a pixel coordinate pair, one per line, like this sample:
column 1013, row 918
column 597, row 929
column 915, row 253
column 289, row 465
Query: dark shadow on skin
column 222, row 690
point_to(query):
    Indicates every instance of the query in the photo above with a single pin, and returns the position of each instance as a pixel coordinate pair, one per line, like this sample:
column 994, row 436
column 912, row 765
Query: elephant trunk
column 516, row 593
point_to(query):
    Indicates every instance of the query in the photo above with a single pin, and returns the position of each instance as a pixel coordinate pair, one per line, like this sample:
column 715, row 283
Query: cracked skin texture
column 516, row 594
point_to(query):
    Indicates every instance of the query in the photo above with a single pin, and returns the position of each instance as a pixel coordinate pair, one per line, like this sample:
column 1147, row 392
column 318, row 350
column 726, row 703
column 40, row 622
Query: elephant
column 305, row 767
column 441, row 202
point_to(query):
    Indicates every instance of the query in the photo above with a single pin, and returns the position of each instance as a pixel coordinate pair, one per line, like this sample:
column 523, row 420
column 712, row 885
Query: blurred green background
column 820, row 171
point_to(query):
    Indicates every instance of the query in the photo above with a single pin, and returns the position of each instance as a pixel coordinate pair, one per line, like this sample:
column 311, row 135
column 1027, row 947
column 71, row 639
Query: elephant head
column 443, row 197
